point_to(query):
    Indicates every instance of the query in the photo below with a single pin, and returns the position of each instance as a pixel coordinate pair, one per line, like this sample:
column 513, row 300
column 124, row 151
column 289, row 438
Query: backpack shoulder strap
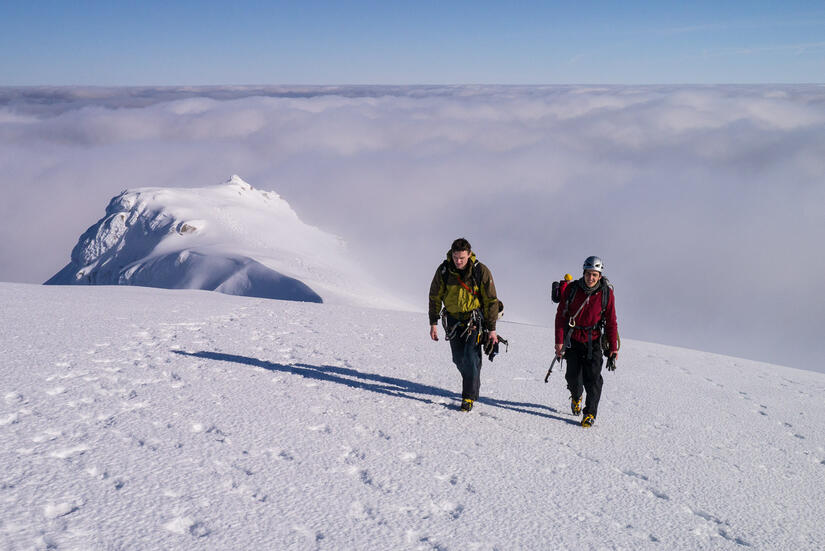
column 607, row 288
column 477, row 275
column 570, row 290
column 443, row 271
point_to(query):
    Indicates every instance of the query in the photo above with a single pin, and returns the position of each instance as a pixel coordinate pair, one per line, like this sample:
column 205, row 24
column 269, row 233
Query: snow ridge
column 230, row 238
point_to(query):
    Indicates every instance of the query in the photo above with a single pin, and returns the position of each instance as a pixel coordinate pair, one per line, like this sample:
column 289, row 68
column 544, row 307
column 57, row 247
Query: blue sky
column 421, row 42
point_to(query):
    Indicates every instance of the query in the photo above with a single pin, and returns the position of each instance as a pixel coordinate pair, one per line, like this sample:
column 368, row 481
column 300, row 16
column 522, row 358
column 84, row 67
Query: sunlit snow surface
column 138, row 418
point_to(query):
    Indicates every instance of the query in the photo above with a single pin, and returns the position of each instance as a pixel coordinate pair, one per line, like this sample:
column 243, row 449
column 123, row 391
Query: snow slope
column 229, row 238
column 139, row 418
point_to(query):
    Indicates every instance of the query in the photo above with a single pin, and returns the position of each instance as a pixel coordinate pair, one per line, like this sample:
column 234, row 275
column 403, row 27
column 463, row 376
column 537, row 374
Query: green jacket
column 446, row 288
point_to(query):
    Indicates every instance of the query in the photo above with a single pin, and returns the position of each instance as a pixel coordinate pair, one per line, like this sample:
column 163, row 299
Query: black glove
column 611, row 363
column 490, row 349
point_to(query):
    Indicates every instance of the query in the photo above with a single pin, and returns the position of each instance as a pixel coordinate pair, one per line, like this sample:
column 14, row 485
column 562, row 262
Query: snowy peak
column 238, row 182
column 230, row 238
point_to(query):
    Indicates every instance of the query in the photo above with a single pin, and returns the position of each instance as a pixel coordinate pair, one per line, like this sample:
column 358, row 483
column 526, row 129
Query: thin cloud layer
column 705, row 202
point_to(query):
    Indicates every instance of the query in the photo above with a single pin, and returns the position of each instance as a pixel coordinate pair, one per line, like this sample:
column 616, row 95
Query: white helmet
column 593, row 263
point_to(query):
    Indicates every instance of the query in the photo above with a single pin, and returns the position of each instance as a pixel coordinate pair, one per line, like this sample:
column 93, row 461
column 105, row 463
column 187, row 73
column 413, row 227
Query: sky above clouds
column 373, row 42
column 705, row 202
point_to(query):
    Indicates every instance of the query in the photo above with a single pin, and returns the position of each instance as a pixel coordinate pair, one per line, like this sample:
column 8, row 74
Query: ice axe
column 549, row 371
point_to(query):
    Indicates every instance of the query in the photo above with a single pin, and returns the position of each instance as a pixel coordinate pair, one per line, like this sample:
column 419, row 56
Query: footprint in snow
column 283, row 455
column 452, row 510
column 635, row 475
column 359, row 511
column 97, row 472
column 13, row 398
column 641, row 534
column 55, row 510
column 301, row 535
column 186, row 526
column 45, row 436
column 9, row 419
column 67, row 453
column 452, row 479
column 717, row 526
column 657, row 494
column 211, row 430
column 410, row 457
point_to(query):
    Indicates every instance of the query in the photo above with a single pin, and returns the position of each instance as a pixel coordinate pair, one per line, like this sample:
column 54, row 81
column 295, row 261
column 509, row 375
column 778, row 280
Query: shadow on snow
column 382, row 384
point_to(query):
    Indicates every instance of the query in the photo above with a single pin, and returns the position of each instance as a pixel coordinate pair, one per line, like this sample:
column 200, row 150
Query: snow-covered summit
column 230, row 238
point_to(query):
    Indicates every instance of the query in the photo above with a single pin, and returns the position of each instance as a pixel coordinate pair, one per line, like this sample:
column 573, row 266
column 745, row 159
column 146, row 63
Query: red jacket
column 589, row 315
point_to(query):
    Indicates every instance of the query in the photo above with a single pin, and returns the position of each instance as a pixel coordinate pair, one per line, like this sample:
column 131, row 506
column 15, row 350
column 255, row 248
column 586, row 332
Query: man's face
column 460, row 259
column 591, row 277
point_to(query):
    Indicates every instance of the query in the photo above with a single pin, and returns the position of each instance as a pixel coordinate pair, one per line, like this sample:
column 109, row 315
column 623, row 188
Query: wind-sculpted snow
column 105, row 249
column 229, row 238
column 143, row 419
column 233, row 275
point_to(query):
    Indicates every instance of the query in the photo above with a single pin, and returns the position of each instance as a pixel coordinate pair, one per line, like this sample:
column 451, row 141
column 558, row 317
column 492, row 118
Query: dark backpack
column 557, row 291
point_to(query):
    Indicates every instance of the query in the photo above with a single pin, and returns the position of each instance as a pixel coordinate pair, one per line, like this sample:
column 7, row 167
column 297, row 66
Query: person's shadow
column 391, row 386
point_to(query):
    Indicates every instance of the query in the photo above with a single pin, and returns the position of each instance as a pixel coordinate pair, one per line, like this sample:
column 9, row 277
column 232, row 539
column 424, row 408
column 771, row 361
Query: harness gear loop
column 572, row 322
column 587, row 330
column 456, row 328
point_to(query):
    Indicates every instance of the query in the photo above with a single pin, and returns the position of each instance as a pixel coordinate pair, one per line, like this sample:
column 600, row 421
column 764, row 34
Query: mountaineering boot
column 576, row 405
column 466, row 404
column 588, row 421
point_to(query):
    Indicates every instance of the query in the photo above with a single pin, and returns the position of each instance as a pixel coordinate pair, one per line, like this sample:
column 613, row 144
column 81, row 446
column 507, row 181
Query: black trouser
column 585, row 373
column 467, row 358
